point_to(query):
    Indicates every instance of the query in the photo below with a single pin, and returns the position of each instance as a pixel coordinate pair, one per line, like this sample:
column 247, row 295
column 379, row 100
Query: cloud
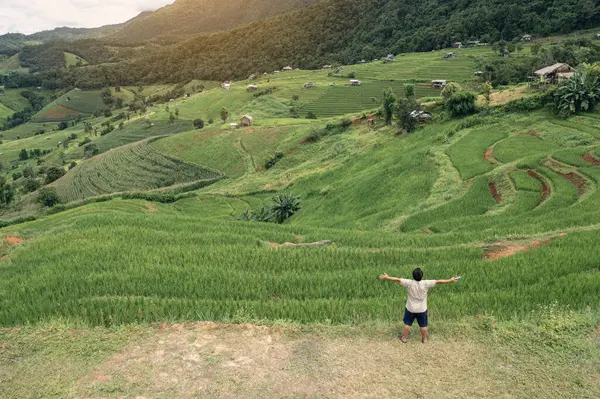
column 36, row 15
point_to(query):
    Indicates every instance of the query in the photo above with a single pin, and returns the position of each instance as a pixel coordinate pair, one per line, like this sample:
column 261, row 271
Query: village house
column 526, row 38
column 458, row 44
column 597, row 36
column 233, row 125
column 472, row 43
column 308, row 85
column 439, row 84
column 252, row 77
column 326, row 66
column 246, row 120
column 449, row 55
column 554, row 73
column 362, row 62
column 226, row 85
column 287, row 68
column 355, row 82
column 252, row 87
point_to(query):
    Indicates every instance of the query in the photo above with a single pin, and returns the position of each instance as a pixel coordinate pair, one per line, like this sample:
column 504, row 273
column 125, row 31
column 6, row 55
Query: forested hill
column 172, row 23
column 187, row 18
column 338, row 31
column 347, row 31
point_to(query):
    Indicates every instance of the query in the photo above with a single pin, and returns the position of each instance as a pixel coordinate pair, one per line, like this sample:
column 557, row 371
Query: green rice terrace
column 151, row 220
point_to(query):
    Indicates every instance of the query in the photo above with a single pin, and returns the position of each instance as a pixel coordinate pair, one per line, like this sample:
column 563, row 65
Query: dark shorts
column 409, row 318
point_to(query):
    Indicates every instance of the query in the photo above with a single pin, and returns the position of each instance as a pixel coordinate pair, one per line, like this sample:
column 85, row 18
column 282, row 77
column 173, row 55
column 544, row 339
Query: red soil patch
column 589, row 158
column 495, row 193
column 13, row 240
column 545, row 188
column 577, row 180
column 249, row 131
column 59, row 111
column 503, row 249
column 488, row 155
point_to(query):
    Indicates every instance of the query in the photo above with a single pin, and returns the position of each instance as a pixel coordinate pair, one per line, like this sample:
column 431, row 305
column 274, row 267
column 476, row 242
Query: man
column 416, row 304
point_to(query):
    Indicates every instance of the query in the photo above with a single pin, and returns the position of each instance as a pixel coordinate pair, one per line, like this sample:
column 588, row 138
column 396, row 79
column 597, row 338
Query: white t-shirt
column 417, row 294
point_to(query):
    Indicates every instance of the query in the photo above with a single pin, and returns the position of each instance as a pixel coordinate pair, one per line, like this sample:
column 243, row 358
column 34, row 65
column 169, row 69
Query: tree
column 487, row 92
column 535, row 48
column 389, row 102
column 580, row 93
column 285, row 206
column 62, row 125
column 23, row 155
column 198, row 123
column 87, row 127
column 7, row 192
column 403, row 109
column 461, row 103
column 48, row 197
column 519, row 47
column 121, row 126
column 210, row 121
column 311, row 115
column 172, row 118
column 28, row 171
column 54, row 173
column 224, row 114
column 90, row 150
column 409, row 90
column 449, row 90
column 30, row 185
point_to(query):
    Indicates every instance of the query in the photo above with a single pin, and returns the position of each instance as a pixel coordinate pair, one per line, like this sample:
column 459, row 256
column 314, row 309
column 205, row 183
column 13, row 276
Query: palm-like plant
column 285, row 206
column 580, row 93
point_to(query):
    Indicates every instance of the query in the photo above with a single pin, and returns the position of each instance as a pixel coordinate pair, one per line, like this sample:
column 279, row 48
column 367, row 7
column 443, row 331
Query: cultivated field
column 129, row 168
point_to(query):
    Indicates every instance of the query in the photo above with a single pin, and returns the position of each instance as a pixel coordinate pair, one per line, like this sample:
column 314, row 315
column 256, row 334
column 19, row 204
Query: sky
column 30, row 16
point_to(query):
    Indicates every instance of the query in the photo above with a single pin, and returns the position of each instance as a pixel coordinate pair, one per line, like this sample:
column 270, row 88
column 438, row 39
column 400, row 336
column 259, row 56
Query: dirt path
column 502, row 249
column 215, row 361
column 545, row 187
column 575, row 178
column 488, row 155
column 250, row 164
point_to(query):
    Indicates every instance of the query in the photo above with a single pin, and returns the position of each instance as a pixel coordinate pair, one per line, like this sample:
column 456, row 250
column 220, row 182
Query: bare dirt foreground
column 208, row 360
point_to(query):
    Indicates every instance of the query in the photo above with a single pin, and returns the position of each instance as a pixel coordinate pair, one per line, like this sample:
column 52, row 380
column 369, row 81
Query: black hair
column 418, row 274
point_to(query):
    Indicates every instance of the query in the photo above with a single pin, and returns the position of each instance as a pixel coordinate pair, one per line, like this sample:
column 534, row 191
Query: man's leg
column 424, row 334
column 406, row 332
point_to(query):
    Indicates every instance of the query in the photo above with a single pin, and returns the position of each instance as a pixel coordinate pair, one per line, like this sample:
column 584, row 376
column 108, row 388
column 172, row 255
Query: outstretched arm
column 452, row 280
column 384, row 276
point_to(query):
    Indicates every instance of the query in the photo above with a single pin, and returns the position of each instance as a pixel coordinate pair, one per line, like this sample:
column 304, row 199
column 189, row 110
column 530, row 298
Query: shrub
column 273, row 159
column 403, row 109
column 311, row 115
column 48, row 197
column 198, row 123
column 285, row 206
column 90, row 150
column 85, row 141
column 450, row 89
column 461, row 103
column 30, row 185
column 54, row 173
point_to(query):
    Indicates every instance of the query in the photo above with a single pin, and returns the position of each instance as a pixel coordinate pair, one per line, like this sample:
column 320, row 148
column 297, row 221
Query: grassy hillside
column 11, row 64
column 74, row 60
column 129, row 168
column 75, row 103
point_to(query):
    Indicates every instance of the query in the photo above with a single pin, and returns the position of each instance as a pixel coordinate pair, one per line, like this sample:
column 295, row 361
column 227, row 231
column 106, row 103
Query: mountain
column 187, row 18
column 172, row 23
column 347, row 31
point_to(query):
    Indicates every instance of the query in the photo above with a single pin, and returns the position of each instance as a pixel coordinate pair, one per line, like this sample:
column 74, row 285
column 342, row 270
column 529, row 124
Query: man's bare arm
column 450, row 281
column 384, row 276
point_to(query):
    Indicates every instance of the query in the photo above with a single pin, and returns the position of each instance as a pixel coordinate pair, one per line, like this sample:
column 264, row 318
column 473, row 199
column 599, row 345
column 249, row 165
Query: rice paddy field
column 510, row 203
column 128, row 168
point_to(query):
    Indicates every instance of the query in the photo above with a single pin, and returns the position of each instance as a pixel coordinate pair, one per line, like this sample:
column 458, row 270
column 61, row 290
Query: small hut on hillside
column 526, row 38
column 246, row 120
column 554, row 72
column 355, row 82
column 438, row 84
column 287, row 68
column 308, row 85
column 252, row 87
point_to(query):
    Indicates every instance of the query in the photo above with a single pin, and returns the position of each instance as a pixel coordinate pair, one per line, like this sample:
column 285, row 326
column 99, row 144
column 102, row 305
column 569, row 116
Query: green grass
column 77, row 103
column 12, row 99
column 5, row 112
column 129, row 168
column 467, row 154
column 74, row 60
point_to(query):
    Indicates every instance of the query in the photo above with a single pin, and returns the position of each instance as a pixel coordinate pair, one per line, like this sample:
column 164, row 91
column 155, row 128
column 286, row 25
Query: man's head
column 418, row 274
